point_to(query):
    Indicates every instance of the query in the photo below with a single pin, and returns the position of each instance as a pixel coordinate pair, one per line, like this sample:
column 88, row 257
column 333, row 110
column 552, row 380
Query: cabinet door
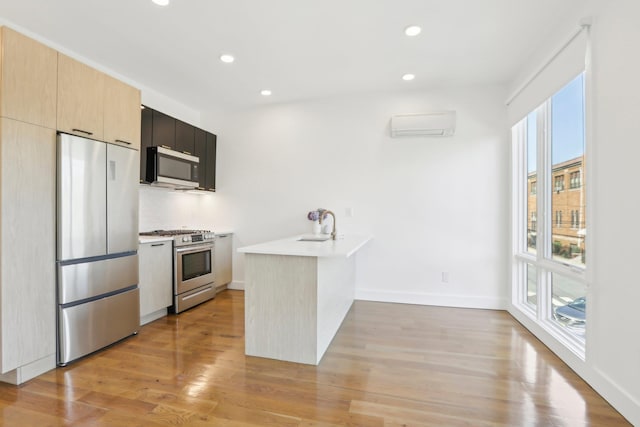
column 146, row 133
column 222, row 265
column 200, row 151
column 164, row 130
column 121, row 113
column 80, row 98
column 156, row 276
column 29, row 80
column 185, row 134
column 27, row 277
column 210, row 178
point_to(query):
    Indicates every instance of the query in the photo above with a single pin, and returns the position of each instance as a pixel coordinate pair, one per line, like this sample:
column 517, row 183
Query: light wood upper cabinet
column 121, row 113
column 80, row 98
column 29, row 79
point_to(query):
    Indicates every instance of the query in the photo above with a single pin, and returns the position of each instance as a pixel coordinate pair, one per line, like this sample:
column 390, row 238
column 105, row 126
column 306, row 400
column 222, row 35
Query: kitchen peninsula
column 297, row 294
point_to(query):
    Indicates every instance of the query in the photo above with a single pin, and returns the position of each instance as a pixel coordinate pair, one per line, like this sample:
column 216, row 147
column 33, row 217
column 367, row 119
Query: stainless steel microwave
column 170, row 168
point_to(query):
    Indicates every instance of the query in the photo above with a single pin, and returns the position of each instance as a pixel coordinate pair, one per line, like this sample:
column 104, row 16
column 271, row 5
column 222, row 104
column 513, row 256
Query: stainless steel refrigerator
column 97, row 244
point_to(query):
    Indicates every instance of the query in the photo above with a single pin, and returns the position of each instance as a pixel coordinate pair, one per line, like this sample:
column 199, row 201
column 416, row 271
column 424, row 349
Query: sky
column 567, row 125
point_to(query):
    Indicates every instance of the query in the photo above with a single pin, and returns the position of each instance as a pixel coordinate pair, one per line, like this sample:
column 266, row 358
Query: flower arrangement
column 315, row 215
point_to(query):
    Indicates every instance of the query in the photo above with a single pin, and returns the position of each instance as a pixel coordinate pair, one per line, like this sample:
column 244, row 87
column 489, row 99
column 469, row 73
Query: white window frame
column 545, row 266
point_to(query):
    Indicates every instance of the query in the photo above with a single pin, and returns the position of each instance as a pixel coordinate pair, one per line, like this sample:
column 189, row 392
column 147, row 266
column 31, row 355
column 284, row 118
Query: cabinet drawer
column 88, row 327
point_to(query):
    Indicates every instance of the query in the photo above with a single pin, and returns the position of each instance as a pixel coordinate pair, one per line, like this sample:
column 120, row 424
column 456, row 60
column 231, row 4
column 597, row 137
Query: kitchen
column 335, row 152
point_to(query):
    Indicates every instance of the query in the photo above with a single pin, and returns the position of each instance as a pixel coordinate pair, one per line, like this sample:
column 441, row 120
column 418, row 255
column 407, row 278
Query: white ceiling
column 299, row 49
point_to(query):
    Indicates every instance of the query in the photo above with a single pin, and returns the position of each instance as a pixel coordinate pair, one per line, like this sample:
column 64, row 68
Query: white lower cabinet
column 156, row 279
column 222, row 260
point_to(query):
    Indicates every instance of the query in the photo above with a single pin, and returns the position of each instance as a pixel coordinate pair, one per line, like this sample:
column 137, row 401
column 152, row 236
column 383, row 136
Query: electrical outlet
column 445, row 277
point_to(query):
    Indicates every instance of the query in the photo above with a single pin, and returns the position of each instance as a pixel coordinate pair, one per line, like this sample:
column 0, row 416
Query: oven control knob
column 185, row 239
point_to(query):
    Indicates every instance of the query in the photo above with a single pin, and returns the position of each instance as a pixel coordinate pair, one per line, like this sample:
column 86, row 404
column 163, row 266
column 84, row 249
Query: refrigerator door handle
column 112, row 170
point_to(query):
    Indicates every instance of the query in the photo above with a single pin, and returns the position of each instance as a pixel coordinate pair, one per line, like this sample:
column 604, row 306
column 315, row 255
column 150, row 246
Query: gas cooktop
column 184, row 237
column 162, row 233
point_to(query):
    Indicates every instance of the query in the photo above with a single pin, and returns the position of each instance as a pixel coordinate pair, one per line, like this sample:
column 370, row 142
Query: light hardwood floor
column 389, row 365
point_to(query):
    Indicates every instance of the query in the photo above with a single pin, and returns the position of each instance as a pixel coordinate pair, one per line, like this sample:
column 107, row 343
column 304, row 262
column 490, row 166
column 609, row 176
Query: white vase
column 327, row 228
column 315, row 227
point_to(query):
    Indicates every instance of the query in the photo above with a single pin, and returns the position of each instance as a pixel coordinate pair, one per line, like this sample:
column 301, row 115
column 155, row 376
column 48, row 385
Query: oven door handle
column 193, row 249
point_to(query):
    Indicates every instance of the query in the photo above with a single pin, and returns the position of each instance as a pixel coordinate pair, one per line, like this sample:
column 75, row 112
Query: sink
column 314, row 238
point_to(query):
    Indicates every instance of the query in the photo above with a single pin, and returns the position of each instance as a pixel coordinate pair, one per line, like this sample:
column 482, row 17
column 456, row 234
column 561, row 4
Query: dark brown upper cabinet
column 185, row 134
column 163, row 130
column 210, row 173
column 146, row 140
column 200, row 151
column 159, row 129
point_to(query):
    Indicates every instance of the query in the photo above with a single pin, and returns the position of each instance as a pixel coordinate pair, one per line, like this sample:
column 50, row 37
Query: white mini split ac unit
column 437, row 123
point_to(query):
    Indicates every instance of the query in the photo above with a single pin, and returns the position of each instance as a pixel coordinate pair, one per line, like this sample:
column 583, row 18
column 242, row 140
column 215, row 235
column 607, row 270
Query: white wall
column 612, row 364
column 615, row 353
column 432, row 204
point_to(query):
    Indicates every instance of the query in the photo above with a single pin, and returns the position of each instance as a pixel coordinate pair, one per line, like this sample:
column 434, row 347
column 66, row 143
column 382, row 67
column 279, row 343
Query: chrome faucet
column 333, row 233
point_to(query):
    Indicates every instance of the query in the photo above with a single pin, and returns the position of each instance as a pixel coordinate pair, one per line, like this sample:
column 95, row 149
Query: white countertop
column 342, row 247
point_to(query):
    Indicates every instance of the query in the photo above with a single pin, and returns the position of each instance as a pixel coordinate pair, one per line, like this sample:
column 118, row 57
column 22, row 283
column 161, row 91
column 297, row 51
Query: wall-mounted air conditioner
column 437, row 123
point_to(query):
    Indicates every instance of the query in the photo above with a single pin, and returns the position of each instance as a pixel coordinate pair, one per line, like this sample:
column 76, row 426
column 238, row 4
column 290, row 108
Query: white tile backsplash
column 161, row 208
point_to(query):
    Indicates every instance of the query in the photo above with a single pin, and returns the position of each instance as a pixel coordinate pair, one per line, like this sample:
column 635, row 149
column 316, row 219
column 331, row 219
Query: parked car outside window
column 573, row 313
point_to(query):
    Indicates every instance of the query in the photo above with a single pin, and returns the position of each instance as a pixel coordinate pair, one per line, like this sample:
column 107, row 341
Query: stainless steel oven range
column 193, row 269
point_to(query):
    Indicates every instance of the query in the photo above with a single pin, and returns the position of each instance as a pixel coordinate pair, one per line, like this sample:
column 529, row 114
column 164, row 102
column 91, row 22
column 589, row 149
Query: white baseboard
column 612, row 392
column 148, row 318
column 619, row 398
column 417, row 298
column 492, row 303
column 236, row 285
column 29, row 371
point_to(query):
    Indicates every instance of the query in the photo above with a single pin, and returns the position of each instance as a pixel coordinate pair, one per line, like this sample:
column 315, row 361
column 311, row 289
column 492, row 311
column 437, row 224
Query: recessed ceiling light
column 161, row 2
column 412, row 30
column 265, row 92
column 227, row 58
column 408, row 77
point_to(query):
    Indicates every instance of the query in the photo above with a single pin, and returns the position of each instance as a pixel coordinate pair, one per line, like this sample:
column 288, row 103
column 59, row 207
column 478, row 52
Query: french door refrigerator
column 97, row 244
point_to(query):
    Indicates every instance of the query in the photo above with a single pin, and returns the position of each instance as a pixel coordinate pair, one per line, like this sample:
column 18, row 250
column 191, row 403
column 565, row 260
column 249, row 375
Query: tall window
column 532, row 198
column 550, row 285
